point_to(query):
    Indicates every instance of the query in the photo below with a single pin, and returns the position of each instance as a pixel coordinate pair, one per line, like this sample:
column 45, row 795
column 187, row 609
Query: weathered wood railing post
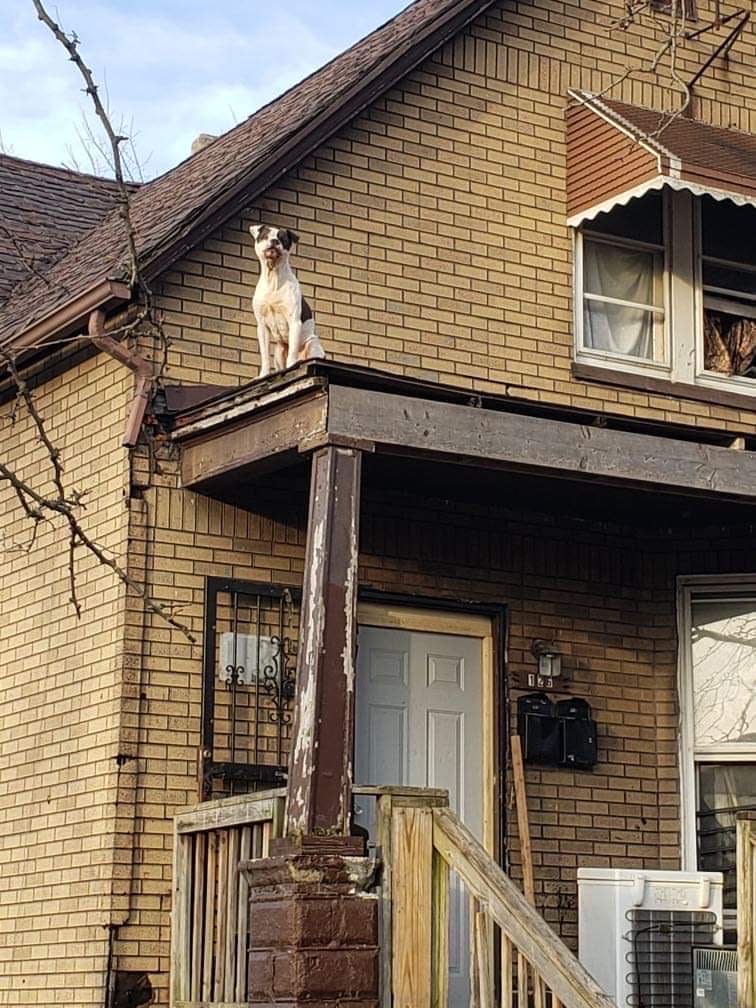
column 412, row 897
column 313, row 926
column 746, row 854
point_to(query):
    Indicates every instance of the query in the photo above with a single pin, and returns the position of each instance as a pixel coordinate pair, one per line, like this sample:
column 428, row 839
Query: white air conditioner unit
column 637, row 930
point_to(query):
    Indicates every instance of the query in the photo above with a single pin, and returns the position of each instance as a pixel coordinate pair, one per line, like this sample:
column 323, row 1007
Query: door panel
column 419, row 699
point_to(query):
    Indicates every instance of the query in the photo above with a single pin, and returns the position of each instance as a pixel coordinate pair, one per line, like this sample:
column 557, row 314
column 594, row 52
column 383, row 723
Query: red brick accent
column 313, row 932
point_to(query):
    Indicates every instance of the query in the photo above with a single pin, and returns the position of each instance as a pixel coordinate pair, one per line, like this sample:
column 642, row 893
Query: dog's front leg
column 295, row 340
column 262, row 339
column 279, row 355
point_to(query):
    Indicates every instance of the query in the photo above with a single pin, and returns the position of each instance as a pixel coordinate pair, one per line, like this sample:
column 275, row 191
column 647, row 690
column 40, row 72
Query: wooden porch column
column 319, row 790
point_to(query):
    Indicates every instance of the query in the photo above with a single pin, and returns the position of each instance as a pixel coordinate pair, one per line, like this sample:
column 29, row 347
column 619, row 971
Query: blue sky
column 171, row 68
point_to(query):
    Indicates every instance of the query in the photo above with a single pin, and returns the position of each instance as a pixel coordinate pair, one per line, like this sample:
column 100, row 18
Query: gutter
column 142, row 369
column 71, row 315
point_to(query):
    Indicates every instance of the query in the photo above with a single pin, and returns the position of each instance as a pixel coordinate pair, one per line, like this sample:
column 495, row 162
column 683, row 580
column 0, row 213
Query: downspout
column 145, row 381
column 145, row 376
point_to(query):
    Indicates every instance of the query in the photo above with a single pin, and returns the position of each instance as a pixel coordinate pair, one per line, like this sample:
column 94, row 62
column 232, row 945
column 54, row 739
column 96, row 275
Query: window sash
column 659, row 335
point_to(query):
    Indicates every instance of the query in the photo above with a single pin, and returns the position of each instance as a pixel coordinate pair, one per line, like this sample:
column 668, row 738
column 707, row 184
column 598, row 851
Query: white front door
column 419, row 722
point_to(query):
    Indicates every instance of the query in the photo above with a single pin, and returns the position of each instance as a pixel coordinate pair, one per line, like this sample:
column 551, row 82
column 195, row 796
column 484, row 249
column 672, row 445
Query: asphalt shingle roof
column 167, row 208
column 43, row 211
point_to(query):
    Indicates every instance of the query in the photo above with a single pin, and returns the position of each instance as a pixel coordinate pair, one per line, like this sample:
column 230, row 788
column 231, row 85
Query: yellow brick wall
column 606, row 593
column 433, row 245
column 433, row 228
column 60, row 697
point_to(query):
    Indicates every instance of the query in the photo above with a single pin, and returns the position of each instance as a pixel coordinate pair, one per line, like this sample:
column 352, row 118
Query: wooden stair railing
column 531, row 966
column 746, row 876
column 210, row 896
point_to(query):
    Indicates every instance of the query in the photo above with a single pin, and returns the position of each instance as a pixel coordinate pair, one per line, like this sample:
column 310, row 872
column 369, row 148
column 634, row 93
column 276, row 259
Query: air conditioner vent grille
column 661, row 956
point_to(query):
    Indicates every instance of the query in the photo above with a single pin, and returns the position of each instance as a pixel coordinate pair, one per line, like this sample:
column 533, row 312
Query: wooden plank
column 518, row 919
column 241, row 446
column 319, row 798
column 211, row 872
column 483, row 955
column 432, row 796
column 209, row 1004
column 440, row 933
column 523, row 998
column 260, row 839
column 238, row 811
column 199, row 895
column 412, row 849
column 539, row 991
column 235, row 405
column 506, row 971
column 409, row 425
column 523, row 826
column 221, row 921
column 242, row 915
column 746, row 896
column 276, row 826
column 180, row 918
column 473, row 908
column 385, row 951
column 231, row 911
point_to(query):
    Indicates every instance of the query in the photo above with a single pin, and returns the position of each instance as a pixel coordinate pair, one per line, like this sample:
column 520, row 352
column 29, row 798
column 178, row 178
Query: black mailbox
column 538, row 729
column 577, row 734
column 557, row 734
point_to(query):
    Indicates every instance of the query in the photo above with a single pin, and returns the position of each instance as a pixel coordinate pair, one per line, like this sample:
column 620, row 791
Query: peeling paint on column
column 305, row 742
column 320, row 780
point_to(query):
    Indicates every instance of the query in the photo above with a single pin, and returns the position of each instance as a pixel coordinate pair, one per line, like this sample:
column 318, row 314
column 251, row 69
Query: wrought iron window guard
column 248, row 683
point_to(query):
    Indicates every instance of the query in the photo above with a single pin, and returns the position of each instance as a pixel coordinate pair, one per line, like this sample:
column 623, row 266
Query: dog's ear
column 292, row 237
column 258, row 231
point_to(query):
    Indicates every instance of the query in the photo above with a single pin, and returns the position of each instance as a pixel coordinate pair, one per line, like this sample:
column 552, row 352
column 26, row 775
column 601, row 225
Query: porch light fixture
column 548, row 657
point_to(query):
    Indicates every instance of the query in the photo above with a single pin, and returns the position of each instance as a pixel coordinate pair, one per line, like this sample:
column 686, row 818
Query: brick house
column 530, row 450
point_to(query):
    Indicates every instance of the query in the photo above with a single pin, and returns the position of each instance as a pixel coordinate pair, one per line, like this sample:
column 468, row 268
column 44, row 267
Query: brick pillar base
column 313, row 932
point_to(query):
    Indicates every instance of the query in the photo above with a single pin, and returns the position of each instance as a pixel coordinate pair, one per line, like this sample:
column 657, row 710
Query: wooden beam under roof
column 257, row 429
column 402, row 425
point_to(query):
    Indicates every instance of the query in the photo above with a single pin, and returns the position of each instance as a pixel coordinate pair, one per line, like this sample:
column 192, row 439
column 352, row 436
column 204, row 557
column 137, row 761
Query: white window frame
column 691, row 588
column 683, row 330
column 660, row 364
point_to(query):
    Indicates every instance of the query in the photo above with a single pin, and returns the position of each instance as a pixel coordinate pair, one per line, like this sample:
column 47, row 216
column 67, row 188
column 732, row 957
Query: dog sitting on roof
column 284, row 319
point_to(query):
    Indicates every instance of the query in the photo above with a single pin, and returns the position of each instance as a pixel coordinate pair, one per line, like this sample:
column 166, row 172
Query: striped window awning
column 616, row 152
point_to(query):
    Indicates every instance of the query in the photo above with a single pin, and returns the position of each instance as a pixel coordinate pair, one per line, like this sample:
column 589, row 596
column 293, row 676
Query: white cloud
column 173, row 69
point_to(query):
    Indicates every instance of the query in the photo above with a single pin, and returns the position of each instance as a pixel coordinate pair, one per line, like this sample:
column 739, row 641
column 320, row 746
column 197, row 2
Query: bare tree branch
column 71, row 44
column 64, row 502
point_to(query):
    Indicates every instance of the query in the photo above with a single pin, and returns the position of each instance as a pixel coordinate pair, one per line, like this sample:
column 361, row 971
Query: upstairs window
column 622, row 284
column 728, row 273
column 666, row 286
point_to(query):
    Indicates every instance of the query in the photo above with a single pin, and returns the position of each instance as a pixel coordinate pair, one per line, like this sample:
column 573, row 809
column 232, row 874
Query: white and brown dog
column 284, row 319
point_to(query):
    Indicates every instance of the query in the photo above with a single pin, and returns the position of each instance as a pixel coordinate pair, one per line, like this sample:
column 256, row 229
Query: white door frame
column 394, row 615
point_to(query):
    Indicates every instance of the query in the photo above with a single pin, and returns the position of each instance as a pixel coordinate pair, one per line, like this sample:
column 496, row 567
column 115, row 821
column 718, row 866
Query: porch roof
column 271, row 423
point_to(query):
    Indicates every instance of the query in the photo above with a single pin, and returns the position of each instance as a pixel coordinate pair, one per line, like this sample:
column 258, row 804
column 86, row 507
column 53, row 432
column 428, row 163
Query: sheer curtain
column 627, row 275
